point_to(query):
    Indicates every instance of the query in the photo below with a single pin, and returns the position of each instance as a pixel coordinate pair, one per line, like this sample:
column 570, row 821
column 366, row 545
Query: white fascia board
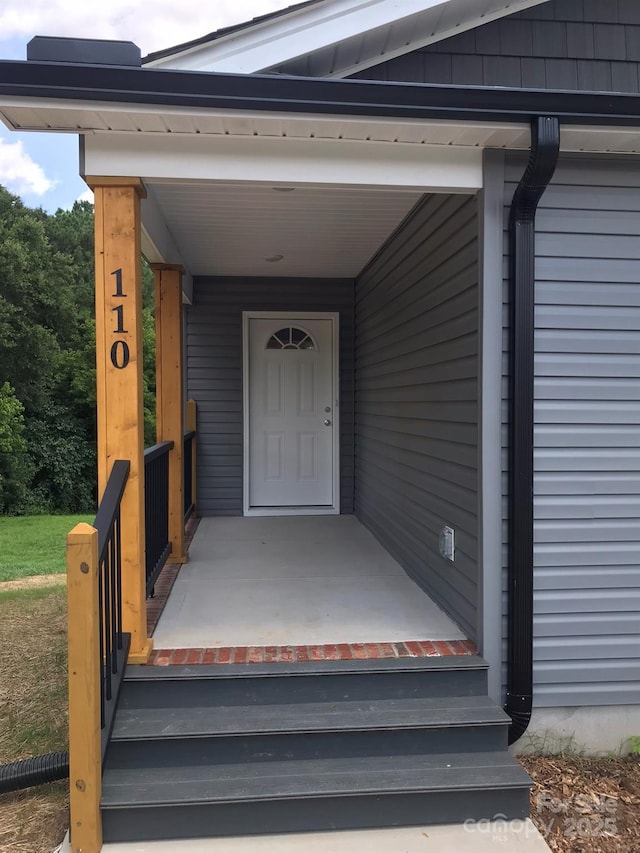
column 315, row 162
column 303, row 32
column 158, row 245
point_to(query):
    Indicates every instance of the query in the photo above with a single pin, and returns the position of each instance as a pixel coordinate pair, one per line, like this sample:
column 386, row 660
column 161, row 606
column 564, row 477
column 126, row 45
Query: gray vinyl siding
column 589, row 45
column 587, row 433
column 214, row 375
column 417, row 399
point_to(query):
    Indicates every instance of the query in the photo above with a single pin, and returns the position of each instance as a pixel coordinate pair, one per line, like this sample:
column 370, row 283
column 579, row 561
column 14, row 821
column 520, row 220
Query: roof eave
column 266, row 93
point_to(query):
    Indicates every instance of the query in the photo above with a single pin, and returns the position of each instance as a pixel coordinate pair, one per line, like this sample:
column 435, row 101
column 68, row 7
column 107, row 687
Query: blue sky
column 43, row 168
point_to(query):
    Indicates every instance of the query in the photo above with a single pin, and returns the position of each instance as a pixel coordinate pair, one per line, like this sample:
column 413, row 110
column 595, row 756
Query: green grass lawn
column 34, row 544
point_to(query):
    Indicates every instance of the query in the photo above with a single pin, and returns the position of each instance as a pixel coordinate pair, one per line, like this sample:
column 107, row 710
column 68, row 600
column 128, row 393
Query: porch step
column 230, row 750
column 215, row 800
column 154, row 723
column 250, row 684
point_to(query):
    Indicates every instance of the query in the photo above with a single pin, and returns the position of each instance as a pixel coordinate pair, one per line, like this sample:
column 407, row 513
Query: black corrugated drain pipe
column 545, row 150
column 34, row 771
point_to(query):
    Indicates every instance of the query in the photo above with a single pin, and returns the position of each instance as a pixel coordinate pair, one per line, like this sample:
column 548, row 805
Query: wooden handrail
column 85, row 665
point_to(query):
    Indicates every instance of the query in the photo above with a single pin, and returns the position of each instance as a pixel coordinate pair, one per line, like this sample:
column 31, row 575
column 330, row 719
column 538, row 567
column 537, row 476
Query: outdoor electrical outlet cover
column 447, row 543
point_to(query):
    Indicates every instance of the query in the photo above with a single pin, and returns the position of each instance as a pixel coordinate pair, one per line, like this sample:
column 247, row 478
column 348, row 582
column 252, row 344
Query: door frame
column 334, row 317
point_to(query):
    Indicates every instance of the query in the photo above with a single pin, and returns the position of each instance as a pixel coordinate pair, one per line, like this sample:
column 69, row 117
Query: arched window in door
column 291, row 338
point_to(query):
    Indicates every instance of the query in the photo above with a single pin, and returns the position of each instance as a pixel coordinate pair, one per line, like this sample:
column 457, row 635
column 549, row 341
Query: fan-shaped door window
column 291, row 338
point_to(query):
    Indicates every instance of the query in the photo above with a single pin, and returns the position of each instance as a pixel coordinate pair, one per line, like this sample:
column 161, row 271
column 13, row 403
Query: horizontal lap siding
column 214, row 375
column 587, row 445
column 589, row 45
column 417, row 398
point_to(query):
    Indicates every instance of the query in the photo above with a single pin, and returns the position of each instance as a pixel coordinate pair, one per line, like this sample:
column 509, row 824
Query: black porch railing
column 187, row 461
column 114, row 644
column 156, row 510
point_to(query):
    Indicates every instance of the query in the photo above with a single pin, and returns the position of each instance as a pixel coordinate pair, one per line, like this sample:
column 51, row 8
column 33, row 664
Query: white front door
column 292, row 412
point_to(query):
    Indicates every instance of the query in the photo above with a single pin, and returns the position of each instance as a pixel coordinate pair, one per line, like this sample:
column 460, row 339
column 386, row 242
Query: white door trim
column 334, row 509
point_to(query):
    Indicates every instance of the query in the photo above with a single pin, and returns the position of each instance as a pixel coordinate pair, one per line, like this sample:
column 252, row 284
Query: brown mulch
column 586, row 805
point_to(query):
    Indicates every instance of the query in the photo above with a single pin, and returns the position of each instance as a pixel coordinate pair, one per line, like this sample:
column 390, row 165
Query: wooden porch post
column 85, row 759
column 119, row 381
column 169, row 394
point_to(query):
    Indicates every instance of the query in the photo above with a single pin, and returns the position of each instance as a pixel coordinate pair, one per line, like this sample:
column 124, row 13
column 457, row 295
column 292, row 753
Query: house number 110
column 119, row 348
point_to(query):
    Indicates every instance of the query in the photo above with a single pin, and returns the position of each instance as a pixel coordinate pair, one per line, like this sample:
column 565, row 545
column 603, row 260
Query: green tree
column 47, row 353
column 13, row 460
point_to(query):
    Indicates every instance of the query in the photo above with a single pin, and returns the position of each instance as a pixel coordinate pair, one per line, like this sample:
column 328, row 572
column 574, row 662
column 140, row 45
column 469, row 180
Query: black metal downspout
column 545, row 149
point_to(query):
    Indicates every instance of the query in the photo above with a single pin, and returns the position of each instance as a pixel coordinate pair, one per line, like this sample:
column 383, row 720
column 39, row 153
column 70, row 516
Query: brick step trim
column 295, row 654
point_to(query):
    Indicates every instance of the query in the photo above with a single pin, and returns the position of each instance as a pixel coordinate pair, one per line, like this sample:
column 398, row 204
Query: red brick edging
column 294, row 654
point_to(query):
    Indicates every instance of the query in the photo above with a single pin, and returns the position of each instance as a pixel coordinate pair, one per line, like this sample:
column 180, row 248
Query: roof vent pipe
column 545, row 150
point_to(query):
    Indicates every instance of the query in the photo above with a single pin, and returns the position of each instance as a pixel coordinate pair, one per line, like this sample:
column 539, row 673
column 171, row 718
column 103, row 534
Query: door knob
column 327, row 422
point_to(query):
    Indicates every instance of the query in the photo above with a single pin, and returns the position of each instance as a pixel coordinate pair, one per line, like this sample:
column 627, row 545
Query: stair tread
column 141, row 672
column 272, row 780
column 344, row 715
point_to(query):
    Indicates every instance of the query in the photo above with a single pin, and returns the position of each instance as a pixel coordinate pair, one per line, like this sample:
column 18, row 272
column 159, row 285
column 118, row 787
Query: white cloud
column 151, row 24
column 87, row 195
column 19, row 173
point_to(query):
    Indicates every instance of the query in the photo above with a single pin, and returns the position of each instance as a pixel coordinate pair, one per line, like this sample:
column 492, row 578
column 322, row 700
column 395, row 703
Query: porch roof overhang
column 77, row 83
column 183, row 132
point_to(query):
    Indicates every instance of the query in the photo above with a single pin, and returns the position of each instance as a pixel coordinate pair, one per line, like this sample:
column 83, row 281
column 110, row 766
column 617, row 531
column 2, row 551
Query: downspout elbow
column 519, row 709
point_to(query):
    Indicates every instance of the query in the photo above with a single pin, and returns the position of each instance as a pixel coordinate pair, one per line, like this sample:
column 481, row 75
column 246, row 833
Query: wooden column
column 169, row 394
column 119, row 381
column 85, row 759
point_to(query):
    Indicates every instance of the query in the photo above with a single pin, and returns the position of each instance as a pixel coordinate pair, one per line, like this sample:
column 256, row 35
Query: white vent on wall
column 447, row 543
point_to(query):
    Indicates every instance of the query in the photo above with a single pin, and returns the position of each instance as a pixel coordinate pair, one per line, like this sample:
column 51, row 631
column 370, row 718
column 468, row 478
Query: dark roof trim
column 228, row 31
column 310, row 95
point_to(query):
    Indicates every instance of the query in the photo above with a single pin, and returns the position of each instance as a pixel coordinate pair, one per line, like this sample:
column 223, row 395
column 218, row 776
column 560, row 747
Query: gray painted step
column 304, row 745
column 159, row 736
column 236, row 750
column 153, row 723
column 164, row 786
column 293, row 796
column 149, row 823
column 464, row 663
column 324, row 681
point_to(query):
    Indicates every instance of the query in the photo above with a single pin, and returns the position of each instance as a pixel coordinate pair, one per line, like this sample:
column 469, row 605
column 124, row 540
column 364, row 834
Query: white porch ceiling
column 231, row 229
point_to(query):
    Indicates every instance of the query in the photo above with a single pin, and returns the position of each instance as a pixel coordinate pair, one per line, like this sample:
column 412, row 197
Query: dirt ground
column 34, row 582
column 586, row 805
column 33, row 714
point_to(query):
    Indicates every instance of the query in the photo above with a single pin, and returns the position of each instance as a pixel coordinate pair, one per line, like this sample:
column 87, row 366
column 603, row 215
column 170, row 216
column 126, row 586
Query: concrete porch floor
column 295, row 580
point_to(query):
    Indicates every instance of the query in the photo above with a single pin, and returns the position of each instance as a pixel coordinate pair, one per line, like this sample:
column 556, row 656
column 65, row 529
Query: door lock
column 327, row 409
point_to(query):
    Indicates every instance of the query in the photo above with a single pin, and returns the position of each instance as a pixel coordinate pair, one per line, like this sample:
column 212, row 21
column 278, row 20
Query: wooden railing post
column 190, row 424
column 85, row 759
column 169, row 394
